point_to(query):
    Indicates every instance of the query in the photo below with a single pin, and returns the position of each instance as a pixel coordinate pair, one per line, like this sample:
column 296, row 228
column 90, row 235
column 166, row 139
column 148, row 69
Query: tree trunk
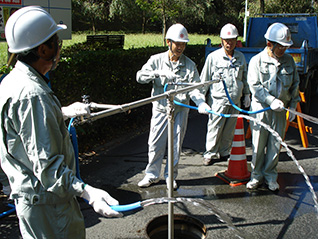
column 143, row 22
column 262, row 6
column 164, row 27
column 93, row 26
column 164, row 23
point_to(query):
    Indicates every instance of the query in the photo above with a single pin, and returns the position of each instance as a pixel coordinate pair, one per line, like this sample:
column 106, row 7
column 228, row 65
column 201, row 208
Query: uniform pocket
column 239, row 72
column 265, row 75
column 286, row 76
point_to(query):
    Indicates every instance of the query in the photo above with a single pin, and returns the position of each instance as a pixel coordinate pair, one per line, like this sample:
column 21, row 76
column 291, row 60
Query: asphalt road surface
column 288, row 213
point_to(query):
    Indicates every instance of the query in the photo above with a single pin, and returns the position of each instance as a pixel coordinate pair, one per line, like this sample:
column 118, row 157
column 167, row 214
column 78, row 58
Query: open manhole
column 185, row 227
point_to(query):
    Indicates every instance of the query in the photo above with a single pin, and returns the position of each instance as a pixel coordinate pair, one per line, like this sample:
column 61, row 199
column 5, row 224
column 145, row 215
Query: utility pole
column 245, row 20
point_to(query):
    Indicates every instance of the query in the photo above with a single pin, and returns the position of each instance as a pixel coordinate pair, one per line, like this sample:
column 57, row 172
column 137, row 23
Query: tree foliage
column 281, row 6
column 201, row 16
column 92, row 10
column 125, row 11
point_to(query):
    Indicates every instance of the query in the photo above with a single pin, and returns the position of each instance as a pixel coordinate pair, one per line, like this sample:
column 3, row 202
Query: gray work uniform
column 186, row 69
column 3, row 177
column 270, row 79
column 38, row 157
column 234, row 72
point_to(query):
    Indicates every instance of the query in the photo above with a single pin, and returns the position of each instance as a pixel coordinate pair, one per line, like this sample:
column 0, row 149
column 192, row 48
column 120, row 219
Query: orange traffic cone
column 237, row 173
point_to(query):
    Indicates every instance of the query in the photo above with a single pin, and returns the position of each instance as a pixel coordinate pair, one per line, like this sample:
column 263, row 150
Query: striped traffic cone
column 237, row 173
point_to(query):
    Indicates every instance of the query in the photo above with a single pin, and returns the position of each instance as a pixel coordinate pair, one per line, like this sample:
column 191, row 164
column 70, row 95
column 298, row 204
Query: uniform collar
column 33, row 74
column 181, row 60
column 225, row 57
column 266, row 58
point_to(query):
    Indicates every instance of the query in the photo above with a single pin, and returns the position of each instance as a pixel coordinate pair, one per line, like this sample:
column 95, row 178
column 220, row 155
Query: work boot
column 253, row 184
column 273, row 186
column 211, row 160
column 146, row 182
column 175, row 185
column 224, row 158
column 207, row 161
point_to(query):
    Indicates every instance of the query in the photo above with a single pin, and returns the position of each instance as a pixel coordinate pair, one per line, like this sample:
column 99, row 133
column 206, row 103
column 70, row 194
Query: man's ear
column 41, row 50
column 44, row 51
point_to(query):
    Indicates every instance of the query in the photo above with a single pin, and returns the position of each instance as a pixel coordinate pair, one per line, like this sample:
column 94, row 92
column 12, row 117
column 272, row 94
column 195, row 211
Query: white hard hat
column 178, row 33
column 229, row 31
column 278, row 32
column 28, row 28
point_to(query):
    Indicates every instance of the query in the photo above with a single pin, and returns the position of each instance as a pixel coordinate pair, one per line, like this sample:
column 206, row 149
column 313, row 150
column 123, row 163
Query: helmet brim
column 177, row 40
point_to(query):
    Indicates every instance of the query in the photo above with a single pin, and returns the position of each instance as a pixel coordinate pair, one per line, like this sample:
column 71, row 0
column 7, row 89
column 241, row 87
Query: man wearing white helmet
column 169, row 66
column 273, row 81
column 35, row 148
column 230, row 65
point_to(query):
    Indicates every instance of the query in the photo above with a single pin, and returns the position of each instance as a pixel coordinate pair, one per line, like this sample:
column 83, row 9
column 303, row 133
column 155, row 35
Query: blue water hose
column 220, row 114
column 196, row 108
column 118, row 208
column 72, row 131
column 239, row 109
column 6, row 213
column 128, row 207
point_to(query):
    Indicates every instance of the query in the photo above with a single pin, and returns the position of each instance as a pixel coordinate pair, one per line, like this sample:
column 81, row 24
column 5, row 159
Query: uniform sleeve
column 254, row 82
column 146, row 74
column 47, row 145
column 244, row 79
column 206, row 73
column 294, row 89
column 196, row 95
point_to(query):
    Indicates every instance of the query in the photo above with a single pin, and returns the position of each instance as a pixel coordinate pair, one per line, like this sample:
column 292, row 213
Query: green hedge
column 108, row 76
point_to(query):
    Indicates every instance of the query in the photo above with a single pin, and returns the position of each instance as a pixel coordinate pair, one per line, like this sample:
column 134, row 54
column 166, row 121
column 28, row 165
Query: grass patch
column 131, row 41
column 3, row 53
column 142, row 40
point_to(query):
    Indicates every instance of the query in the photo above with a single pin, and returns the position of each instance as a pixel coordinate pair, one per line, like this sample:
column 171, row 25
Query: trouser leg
column 220, row 132
column 51, row 221
column 228, row 133
column 157, row 143
column 215, row 127
column 179, row 130
column 259, row 142
column 259, row 139
column 274, row 146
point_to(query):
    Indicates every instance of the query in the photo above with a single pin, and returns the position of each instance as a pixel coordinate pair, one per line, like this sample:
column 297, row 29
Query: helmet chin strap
column 53, row 59
column 54, row 63
column 170, row 49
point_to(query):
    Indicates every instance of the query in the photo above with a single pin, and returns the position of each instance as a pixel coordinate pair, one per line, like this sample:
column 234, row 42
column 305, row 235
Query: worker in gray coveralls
column 35, row 148
column 273, row 80
column 161, row 68
column 230, row 65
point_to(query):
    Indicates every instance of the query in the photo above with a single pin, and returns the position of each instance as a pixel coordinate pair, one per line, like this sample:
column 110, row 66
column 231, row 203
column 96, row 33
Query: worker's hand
column 291, row 116
column 247, row 101
column 6, row 190
column 203, row 107
column 165, row 76
column 277, row 105
column 75, row 109
column 100, row 200
column 217, row 76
